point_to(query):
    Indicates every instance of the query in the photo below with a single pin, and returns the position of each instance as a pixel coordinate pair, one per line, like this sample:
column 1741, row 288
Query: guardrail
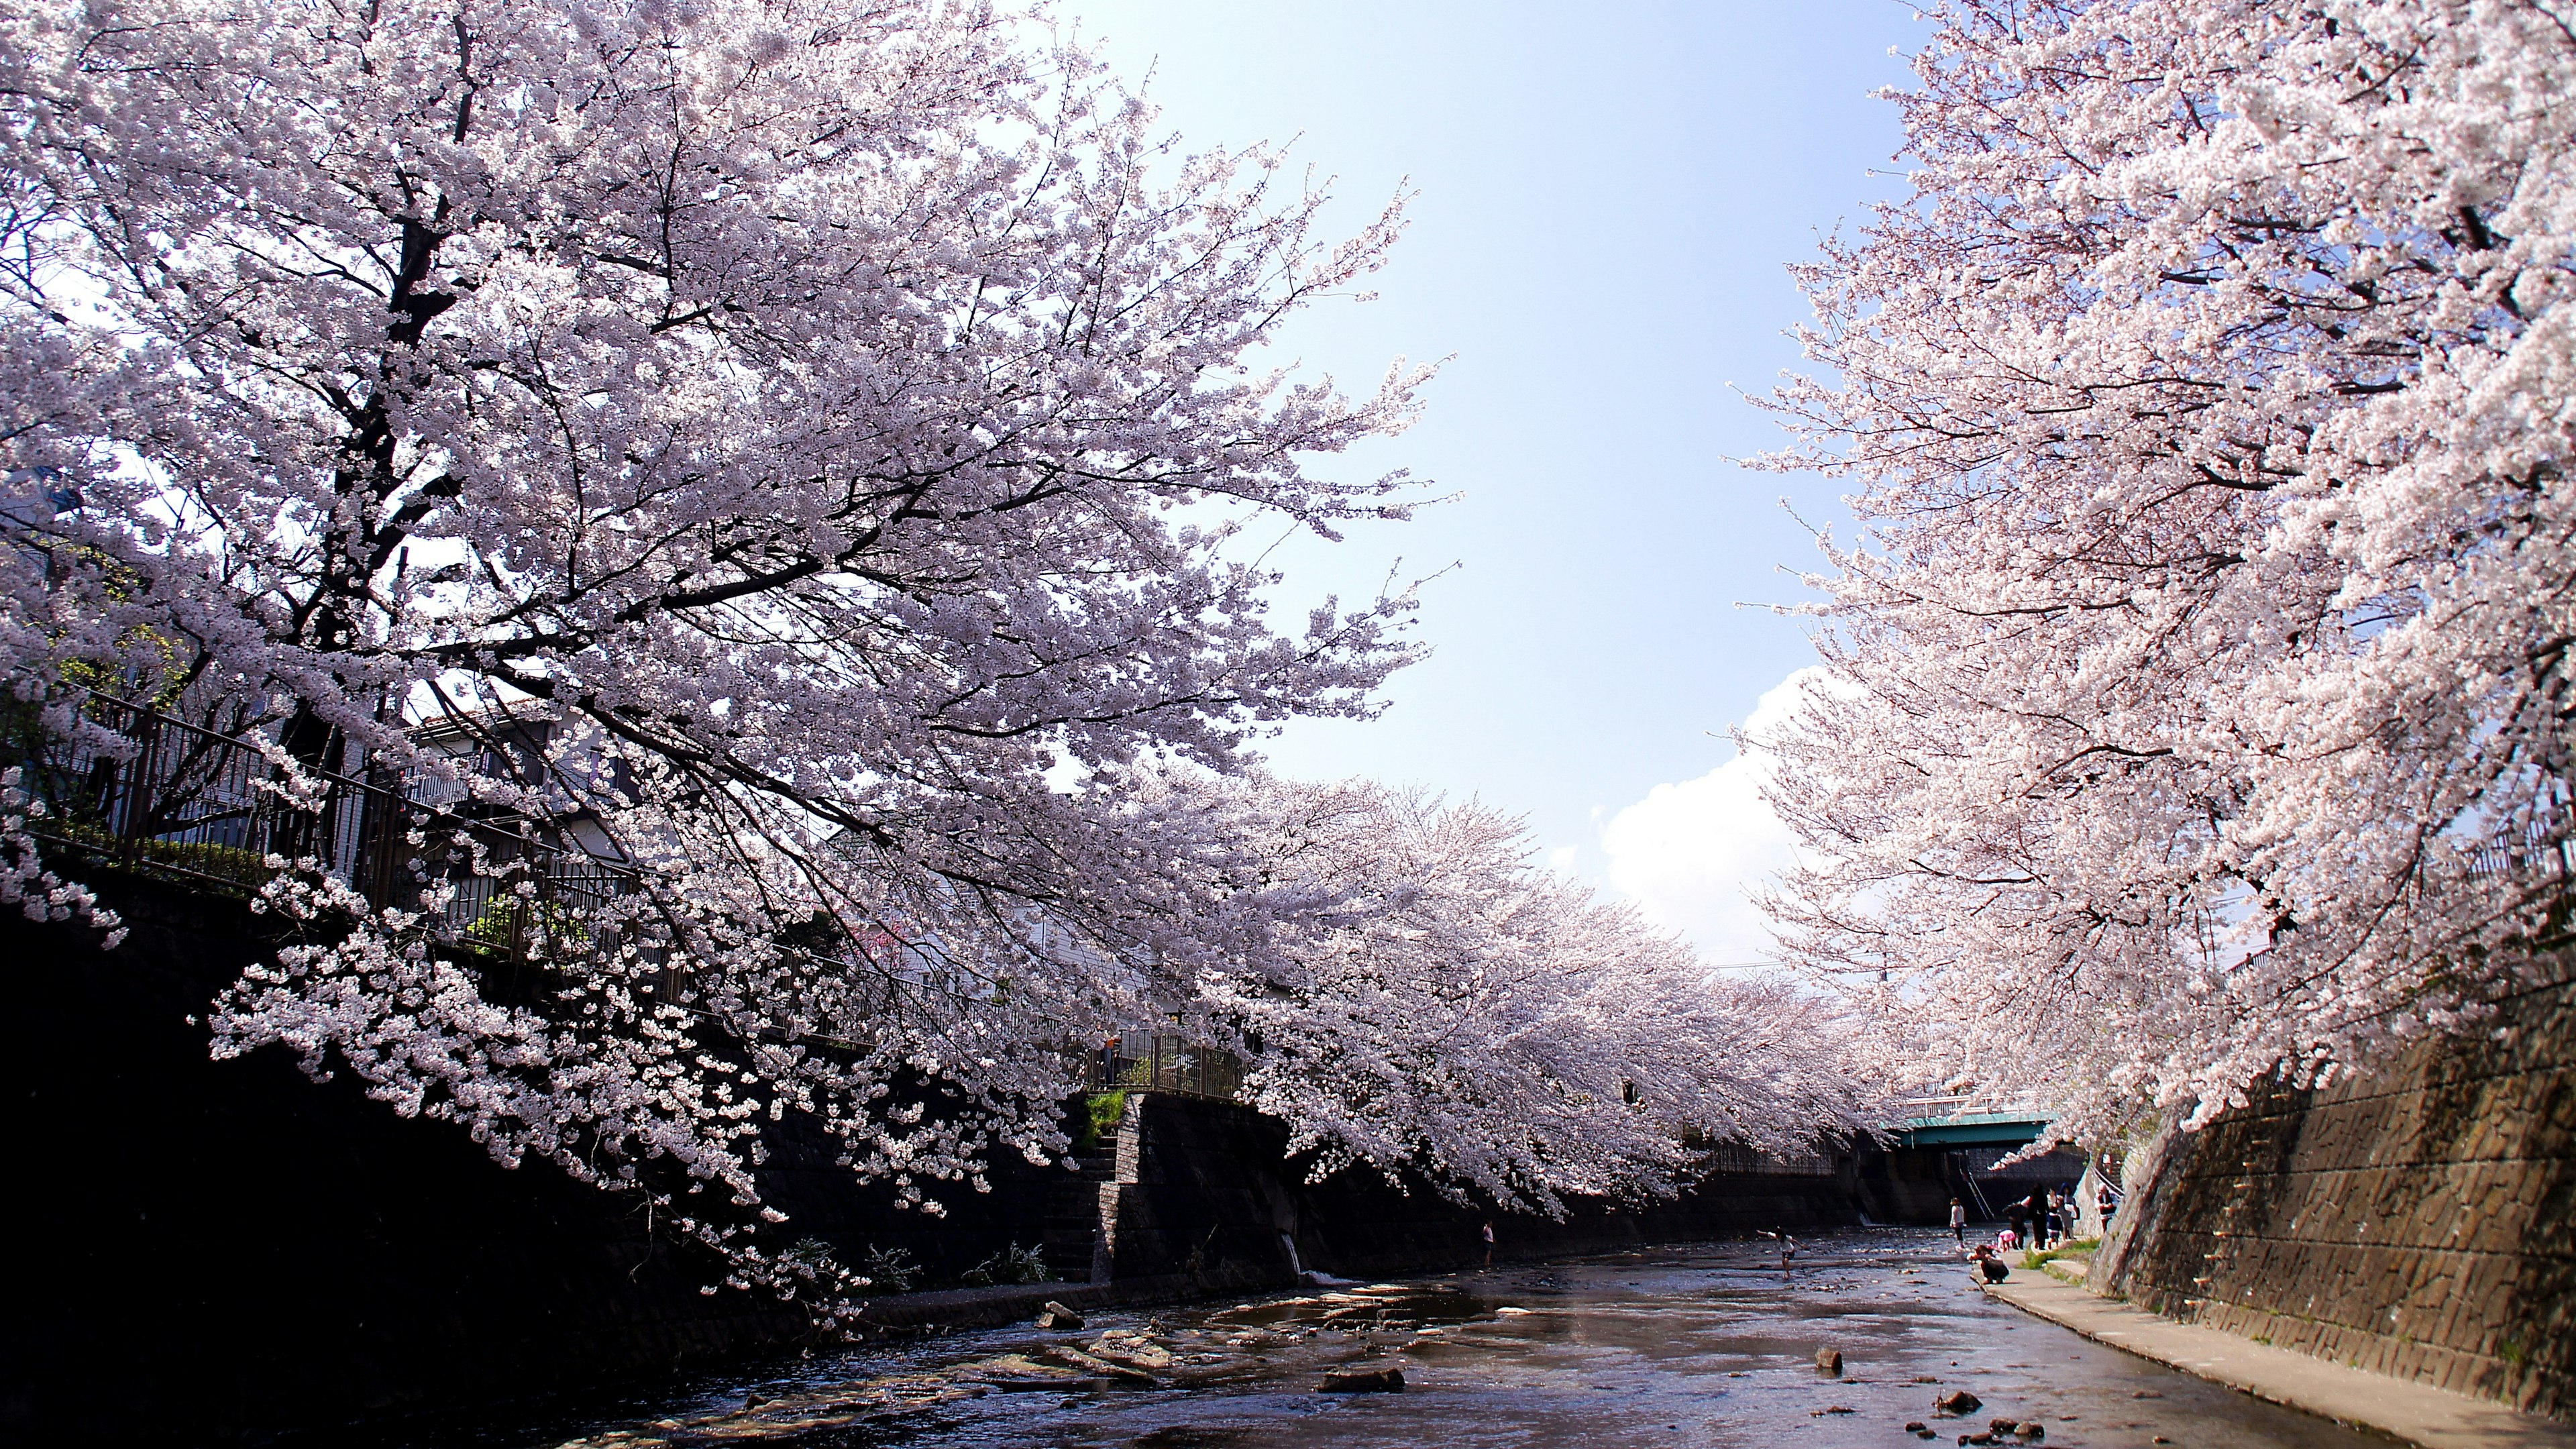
column 2535, row 855
column 1921, row 1109
column 154, row 793
column 1169, row 1064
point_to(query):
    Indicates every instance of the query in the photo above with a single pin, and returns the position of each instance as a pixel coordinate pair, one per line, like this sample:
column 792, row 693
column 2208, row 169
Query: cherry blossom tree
column 1424, row 999
column 2201, row 696
column 793, row 455
column 787, row 430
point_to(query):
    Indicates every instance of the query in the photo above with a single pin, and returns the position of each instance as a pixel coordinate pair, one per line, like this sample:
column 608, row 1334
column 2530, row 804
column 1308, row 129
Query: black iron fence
column 151, row 792
column 2541, row 856
column 1166, row 1064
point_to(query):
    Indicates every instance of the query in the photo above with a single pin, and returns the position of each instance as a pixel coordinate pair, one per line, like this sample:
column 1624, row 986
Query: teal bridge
column 1938, row 1122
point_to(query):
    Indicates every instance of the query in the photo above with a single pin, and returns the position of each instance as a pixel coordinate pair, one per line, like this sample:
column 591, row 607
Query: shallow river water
column 1711, row 1344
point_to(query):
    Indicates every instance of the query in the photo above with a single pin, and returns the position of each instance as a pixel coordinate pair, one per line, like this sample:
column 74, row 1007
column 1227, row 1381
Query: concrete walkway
column 2416, row 1413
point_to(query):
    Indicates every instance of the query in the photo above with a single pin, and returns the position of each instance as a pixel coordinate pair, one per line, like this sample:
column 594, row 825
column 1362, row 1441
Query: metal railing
column 1737, row 1159
column 151, row 792
column 2546, row 856
column 1935, row 1109
column 1168, row 1064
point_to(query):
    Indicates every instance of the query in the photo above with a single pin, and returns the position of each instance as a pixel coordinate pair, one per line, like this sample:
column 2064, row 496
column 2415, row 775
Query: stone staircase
column 1074, row 1247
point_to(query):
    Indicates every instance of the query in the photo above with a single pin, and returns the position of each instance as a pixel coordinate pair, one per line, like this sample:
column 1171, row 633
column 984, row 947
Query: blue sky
column 1607, row 201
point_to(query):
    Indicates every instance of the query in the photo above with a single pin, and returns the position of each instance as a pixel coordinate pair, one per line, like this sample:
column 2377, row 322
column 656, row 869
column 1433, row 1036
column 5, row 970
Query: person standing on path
column 1489, row 1242
column 1958, row 1222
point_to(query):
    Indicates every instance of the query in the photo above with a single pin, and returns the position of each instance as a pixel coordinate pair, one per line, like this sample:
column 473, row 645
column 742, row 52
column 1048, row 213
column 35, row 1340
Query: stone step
column 1073, row 1217
column 1067, row 1251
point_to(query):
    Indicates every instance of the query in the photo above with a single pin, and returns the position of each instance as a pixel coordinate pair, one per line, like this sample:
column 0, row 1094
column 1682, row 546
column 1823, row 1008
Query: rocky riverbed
column 1713, row 1344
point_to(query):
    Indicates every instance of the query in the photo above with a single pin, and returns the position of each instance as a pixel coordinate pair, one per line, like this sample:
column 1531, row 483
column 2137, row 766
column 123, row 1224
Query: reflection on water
column 1704, row 1345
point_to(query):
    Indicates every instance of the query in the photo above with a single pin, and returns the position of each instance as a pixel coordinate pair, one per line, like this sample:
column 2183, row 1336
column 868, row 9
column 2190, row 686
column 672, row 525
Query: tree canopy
column 807, row 445
column 2201, row 701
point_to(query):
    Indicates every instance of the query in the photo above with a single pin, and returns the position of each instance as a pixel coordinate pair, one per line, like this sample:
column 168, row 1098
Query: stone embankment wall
column 1206, row 1197
column 209, row 1250
column 2420, row 1222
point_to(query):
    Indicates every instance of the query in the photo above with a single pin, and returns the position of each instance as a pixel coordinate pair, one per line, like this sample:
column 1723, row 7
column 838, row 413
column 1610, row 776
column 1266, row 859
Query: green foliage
column 198, row 857
column 493, row 925
column 226, row 862
column 148, row 666
column 1014, row 1264
column 1100, row 1114
column 890, row 1270
column 2071, row 1248
column 810, row 1254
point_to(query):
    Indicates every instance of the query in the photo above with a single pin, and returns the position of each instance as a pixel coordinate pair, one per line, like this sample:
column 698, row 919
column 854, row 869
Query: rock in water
column 2032, row 1431
column 1364, row 1381
column 1829, row 1361
column 1134, row 1353
column 1915, row 1426
column 1117, row 1373
column 1056, row 1315
column 1958, row 1401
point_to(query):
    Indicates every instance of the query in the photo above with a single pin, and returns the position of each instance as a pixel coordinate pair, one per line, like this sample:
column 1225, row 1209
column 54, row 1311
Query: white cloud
column 1692, row 855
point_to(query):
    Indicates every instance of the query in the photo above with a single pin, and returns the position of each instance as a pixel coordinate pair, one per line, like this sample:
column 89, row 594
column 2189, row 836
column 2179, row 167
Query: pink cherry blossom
column 2203, row 686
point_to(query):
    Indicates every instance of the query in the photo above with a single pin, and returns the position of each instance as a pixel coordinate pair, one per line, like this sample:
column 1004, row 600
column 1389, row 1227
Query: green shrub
column 890, row 1270
column 1014, row 1264
column 1100, row 1114
column 2071, row 1248
column 198, row 857
column 492, row 926
column 225, row 862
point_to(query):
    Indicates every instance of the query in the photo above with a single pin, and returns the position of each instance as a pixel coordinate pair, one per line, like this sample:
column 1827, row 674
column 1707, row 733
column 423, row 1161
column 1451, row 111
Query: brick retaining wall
column 2420, row 1222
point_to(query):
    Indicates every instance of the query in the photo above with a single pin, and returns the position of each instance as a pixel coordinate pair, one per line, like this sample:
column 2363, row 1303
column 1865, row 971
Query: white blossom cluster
column 2202, row 682
column 39, row 893
column 793, row 439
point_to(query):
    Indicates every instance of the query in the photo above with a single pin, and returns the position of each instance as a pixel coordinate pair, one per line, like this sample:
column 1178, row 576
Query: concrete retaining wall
column 2419, row 1223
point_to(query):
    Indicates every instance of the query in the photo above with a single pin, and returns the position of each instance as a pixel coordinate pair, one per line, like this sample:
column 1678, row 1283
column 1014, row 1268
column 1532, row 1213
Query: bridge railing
column 1942, row 1109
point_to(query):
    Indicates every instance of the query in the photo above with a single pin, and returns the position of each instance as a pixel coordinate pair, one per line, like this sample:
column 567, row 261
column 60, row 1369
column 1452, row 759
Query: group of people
column 2044, row 1217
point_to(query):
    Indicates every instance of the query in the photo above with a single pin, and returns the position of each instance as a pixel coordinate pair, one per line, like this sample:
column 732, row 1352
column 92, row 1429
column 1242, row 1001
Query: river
column 1708, row 1344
